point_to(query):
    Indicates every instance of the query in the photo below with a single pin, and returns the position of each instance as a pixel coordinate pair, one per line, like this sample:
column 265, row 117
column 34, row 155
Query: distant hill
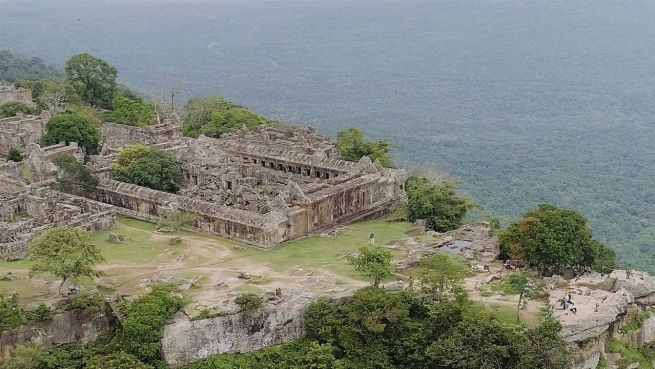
column 14, row 67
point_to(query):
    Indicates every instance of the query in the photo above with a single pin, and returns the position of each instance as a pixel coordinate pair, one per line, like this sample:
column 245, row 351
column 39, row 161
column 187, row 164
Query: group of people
column 568, row 304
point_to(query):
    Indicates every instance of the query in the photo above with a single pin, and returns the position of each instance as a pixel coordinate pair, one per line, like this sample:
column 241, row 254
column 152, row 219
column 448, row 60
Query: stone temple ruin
column 261, row 186
column 26, row 211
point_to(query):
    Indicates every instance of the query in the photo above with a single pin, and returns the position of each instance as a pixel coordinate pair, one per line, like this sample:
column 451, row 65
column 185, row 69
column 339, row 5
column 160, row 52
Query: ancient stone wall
column 11, row 93
column 27, row 213
column 21, row 131
column 150, row 204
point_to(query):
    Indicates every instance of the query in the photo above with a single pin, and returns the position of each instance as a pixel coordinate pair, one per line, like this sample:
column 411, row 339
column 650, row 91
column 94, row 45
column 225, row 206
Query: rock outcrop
column 186, row 341
column 75, row 326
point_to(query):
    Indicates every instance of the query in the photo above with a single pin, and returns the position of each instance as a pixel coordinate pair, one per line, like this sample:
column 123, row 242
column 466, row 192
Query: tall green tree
column 93, row 79
column 373, row 262
column 438, row 204
column 66, row 253
column 550, row 239
column 132, row 111
column 352, row 146
column 70, row 127
column 213, row 116
column 147, row 166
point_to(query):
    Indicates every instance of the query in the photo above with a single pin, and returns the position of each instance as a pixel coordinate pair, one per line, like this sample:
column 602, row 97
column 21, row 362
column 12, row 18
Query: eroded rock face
column 589, row 322
column 187, row 341
column 68, row 327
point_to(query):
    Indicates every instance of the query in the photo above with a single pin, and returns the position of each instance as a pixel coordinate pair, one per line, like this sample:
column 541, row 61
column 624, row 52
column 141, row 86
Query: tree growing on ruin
column 550, row 239
column 13, row 108
column 353, row 147
column 93, row 79
column 74, row 175
column 439, row 204
column 374, row 263
column 66, row 253
column 213, row 116
column 132, row 111
column 147, row 166
column 71, row 127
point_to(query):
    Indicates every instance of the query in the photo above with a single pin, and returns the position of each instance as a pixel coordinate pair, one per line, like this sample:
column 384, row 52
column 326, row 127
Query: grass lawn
column 330, row 252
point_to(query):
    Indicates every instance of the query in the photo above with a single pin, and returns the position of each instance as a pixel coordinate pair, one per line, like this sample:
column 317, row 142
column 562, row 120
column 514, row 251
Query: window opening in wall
column 263, row 163
column 318, row 174
column 327, row 175
column 280, row 167
column 228, row 184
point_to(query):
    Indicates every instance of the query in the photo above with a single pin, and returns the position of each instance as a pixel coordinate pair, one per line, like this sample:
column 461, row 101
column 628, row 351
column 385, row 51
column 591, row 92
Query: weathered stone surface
column 67, row 327
column 589, row 322
column 187, row 341
column 640, row 284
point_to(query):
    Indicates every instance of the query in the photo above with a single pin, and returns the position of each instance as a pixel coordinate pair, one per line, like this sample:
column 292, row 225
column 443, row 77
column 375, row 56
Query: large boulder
column 596, row 311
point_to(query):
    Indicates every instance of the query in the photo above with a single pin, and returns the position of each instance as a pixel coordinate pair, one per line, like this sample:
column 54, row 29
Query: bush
column 132, row 111
column 146, row 317
column 11, row 314
column 439, row 204
column 248, row 301
column 40, row 314
column 84, row 301
column 70, row 127
column 14, row 154
column 74, row 175
column 12, row 108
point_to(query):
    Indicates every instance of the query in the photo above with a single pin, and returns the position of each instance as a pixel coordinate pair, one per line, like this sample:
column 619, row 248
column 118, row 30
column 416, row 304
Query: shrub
column 14, row 154
column 146, row 317
column 248, row 301
column 147, row 166
column 84, row 301
column 40, row 314
column 12, row 108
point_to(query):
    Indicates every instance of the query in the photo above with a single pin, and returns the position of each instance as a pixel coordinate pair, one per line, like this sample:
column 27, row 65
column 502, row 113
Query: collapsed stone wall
column 21, row 131
column 32, row 210
column 10, row 93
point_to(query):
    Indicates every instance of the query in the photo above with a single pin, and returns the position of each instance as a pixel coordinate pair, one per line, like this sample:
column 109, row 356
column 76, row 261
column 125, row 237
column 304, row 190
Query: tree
column 145, row 320
column 550, row 239
column 69, row 127
column 66, row 253
column 93, row 79
column 115, row 360
column 14, row 154
column 521, row 283
column 319, row 357
column 132, row 111
column 213, row 116
column 441, row 279
column 439, row 204
column 373, row 262
column 13, row 108
column 74, row 175
column 353, row 147
column 147, row 166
